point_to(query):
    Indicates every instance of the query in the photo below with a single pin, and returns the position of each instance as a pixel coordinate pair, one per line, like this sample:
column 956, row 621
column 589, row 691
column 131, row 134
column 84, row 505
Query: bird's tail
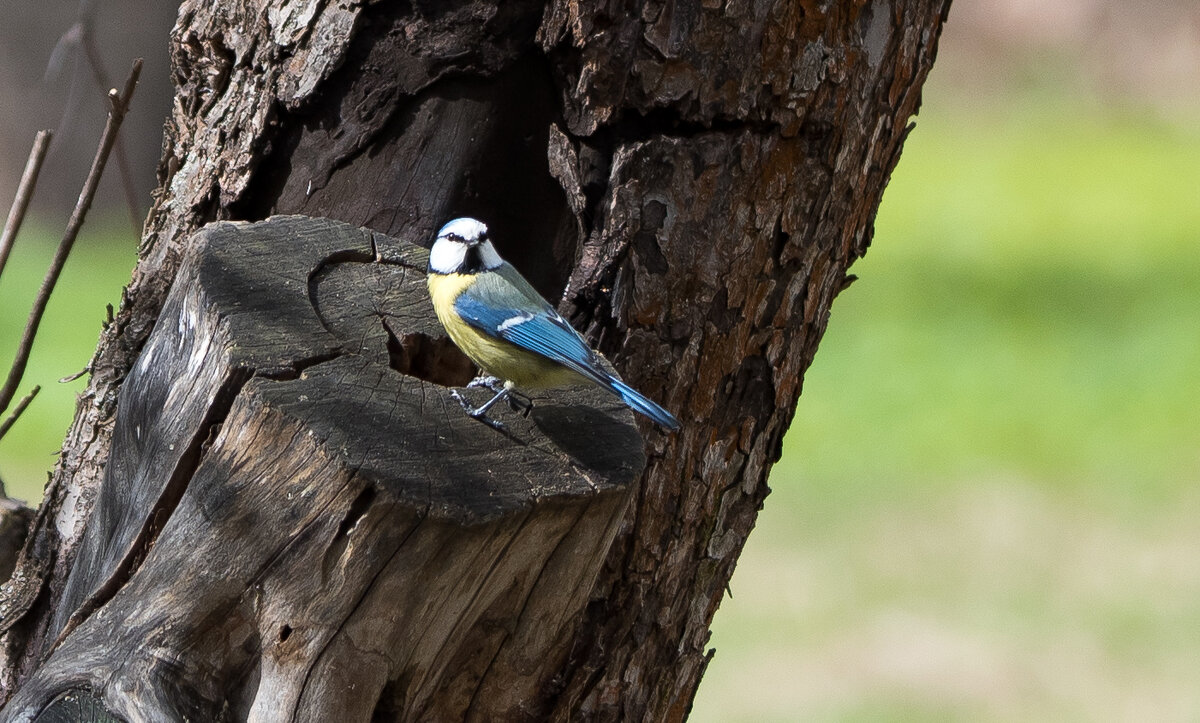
column 641, row 404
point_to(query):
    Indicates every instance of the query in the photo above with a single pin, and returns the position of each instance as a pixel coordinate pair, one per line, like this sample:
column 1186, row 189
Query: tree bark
column 699, row 176
column 291, row 525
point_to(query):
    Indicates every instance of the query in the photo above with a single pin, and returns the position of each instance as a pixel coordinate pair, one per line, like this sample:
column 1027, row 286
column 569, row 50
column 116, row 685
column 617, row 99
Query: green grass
column 987, row 504
column 1029, row 307
column 987, row 501
column 99, row 266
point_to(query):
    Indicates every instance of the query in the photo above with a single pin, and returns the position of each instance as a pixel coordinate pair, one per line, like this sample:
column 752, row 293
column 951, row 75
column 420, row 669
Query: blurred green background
column 99, row 266
column 988, row 505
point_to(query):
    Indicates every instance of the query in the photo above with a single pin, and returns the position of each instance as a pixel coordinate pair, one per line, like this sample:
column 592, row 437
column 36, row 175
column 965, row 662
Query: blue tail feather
column 641, row 404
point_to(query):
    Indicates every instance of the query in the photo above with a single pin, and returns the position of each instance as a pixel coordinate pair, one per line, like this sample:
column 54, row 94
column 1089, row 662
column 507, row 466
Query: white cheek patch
column 446, row 256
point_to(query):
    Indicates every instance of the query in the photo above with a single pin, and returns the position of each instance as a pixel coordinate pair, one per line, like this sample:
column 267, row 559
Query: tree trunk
column 289, row 528
column 698, row 176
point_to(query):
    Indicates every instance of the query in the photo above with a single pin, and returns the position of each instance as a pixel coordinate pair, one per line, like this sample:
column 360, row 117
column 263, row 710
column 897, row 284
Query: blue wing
column 542, row 331
column 539, row 331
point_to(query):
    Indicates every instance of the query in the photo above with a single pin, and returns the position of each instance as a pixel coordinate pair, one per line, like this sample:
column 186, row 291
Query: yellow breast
column 493, row 355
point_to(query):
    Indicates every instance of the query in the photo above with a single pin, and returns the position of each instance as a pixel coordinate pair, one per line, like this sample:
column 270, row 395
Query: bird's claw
column 487, row 382
column 479, row 413
column 466, row 405
column 516, row 401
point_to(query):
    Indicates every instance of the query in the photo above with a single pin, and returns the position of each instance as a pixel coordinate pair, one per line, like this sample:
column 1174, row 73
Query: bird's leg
column 517, row 401
column 480, row 413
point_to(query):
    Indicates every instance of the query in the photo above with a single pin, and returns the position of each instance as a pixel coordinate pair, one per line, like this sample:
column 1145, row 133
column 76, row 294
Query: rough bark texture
column 699, row 175
column 293, row 526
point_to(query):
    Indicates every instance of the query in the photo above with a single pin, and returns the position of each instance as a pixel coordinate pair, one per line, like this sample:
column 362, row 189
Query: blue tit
column 497, row 319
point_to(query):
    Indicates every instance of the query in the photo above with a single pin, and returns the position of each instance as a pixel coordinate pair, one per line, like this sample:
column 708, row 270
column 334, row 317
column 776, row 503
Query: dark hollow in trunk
column 291, row 527
column 690, row 181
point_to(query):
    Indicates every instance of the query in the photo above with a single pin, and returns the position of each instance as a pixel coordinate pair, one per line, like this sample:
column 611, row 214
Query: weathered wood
column 76, row 706
column 699, row 176
column 290, row 528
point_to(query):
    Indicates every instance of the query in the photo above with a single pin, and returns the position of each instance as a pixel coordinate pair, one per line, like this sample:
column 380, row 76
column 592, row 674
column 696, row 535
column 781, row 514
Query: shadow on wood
column 298, row 523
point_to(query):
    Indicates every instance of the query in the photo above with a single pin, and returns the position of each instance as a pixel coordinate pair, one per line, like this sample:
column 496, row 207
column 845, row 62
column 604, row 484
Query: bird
column 518, row 340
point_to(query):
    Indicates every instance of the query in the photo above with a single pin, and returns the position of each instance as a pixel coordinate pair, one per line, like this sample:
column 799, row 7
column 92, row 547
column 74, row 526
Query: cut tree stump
column 297, row 522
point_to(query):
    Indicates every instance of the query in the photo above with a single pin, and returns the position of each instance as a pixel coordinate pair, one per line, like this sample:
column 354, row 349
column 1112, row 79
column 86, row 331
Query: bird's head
column 463, row 247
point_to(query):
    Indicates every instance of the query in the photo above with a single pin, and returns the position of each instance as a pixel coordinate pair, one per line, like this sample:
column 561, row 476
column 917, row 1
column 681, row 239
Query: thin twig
column 119, row 104
column 12, row 418
column 79, row 41
column 100, row 75
column 16, row 215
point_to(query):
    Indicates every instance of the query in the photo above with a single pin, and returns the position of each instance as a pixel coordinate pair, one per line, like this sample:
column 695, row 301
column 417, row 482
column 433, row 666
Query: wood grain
column 691, row 181
column 285, row 517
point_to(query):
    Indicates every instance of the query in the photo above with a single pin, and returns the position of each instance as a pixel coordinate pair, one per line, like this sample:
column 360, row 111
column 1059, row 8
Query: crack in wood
column 840, row 98
column 366, row 592
column 333, row 525
column 169, row 498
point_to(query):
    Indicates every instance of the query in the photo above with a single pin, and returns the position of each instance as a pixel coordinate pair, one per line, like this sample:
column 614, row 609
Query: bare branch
column 16, row 214
column 100, row 75
column 119, row 104
column 21, row 405
column 80, row 38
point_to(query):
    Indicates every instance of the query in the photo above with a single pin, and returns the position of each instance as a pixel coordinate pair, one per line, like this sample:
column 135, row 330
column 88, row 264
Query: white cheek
column 446, row 257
